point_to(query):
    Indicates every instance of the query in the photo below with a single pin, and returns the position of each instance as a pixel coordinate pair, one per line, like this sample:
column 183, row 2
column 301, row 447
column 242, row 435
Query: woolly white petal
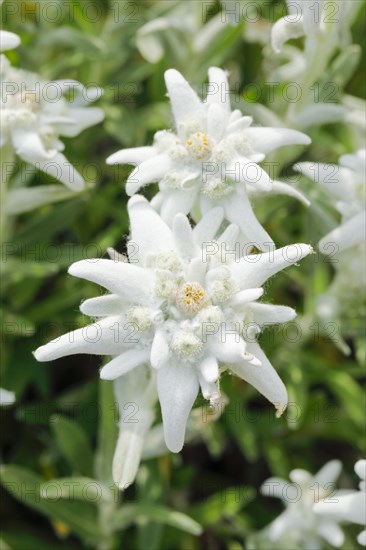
column 177, row 389
column 360, row 469
column 134, row 155
column 129, row 281
column 274, row 487
column 361, row 538
column 245, row 296
column 216, row 121
column 208, row 226
column 8, row 41
column 123, row 363
column 184, row 100
column 351, row 233
column 331, row 532
column 149, row 171
column 268, row 314
column 281, row 188
column 29, row 146
column 266, row 140
column 239, row 211
column 159, row 349
column 82, row 118
column 284, row 29
column 61, row 169
column 183, row 237
column 328, row 473
column 136, row 396
column 101, row 306
column 148, row 230
column 218, row 91
column 210, row 369
column 127, row 456
column 350, row 507
column 106, row 337
column 253, row 270
column 224, row 344
column 176, row 201
column 6, row 397
column 264, row 378
column 337, row 180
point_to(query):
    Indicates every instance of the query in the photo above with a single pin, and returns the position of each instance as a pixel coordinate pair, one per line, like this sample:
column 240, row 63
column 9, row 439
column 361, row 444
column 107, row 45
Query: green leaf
column 75, row 488
column 135, row 513
column 25, row 486
column 73, row 444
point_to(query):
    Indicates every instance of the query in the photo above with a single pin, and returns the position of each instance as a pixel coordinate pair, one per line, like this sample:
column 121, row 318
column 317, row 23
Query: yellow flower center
column 191, row 297
column 199, row 145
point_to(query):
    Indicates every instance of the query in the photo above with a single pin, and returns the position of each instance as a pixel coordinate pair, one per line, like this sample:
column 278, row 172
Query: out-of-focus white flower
column 34, row 114
column 8, row 40
column 346, row 184
column 189, row 309
column 298, row 524
column 313, row 18
column 136, row 396
column 348, row 505
column 211, row 160
column 6, row 397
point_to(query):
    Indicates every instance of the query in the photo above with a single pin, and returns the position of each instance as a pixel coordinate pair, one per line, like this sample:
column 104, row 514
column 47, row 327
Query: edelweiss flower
column 188, row 309
column 348, row 505
column 211, row 160
column 346, row 243
column 6, row 397
column 34, row 113
column 298, row 524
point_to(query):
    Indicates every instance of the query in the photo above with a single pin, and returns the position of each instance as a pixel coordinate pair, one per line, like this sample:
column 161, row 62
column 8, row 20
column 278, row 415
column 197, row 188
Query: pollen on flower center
column 191, row 297
column 199, row 145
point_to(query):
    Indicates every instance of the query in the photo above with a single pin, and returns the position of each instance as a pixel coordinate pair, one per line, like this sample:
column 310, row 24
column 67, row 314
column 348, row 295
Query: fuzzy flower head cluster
column 35, row 113
column 299, row 526
column 185, row 308
column 212, row 158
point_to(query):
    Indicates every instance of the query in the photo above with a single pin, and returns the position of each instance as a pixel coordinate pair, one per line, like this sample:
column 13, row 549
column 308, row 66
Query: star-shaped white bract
column 348, row 505
column 211, row 159
column 34, row 114
column 298, row 523
column 185, row 308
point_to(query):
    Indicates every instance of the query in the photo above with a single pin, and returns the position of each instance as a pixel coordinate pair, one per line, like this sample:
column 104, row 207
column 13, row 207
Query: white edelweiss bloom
column 348, row 505
column 298, row 524
column 34, row 114
column 211, row 160
column 182, row 308
column 6, row 397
